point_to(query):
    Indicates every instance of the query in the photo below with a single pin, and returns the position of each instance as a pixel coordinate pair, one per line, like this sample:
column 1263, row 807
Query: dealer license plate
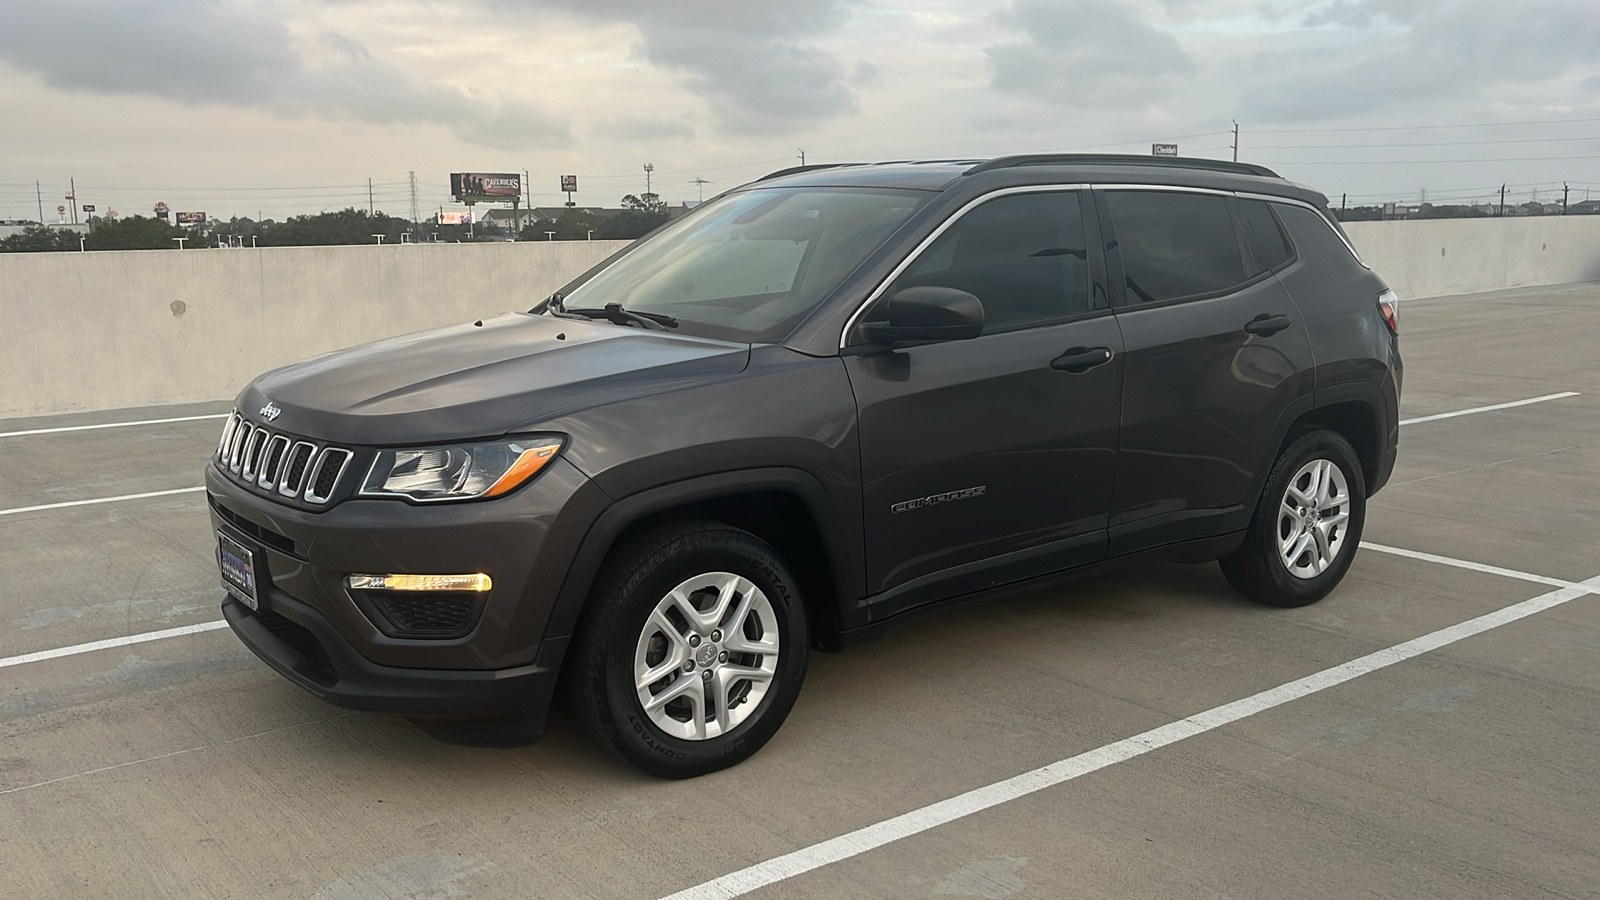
column 238, row 566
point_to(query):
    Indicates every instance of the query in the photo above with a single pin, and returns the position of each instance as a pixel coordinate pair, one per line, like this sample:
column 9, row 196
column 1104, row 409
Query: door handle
column 1265, row 324
column 1081, row 359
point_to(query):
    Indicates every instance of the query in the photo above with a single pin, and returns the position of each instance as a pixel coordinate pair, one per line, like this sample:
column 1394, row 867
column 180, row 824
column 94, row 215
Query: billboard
column 485, row 186
column 569, row 183
column 191, row 218
column 455, row 218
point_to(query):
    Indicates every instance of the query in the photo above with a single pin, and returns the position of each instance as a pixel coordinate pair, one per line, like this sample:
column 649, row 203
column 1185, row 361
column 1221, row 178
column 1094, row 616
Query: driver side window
column 1022, row 255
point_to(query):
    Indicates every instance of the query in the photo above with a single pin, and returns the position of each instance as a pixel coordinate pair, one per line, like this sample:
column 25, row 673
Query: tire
column 643, row 591
column 1298, row 547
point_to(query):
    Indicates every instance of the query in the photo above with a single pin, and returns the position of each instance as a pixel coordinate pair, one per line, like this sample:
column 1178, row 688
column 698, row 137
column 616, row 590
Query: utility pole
column 700, row 184
column 72, row 195
column 1344, row 204
column 648, row 168
column 416, row 214
column 38, row 194
column 802, row 155
column 369, row 197
column 1564, row 190
column 1502, row 199
column 1235, row 139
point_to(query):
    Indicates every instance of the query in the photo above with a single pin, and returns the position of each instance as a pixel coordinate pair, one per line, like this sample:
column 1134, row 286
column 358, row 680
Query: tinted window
column 1022, row 255
column 1175, row 244
column 1267, row 243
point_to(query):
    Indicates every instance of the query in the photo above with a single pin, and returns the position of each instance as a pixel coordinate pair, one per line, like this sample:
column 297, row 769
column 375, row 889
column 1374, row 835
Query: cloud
column 747, row 59
column 643, row 128
column 1382, row 55
column 1086, row 53
column 225, row 51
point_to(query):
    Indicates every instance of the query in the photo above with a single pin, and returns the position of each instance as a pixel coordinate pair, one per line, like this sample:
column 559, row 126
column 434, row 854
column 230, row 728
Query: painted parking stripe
column 1467, row 564
column 7, row 434
column 845, row 846
column 1479, row 409
column 111, row 643
column 25, row 509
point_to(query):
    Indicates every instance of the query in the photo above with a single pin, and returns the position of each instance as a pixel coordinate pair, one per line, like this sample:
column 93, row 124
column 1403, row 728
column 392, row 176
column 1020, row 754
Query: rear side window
column 1267, row 243
column 1175, row 245
column 1024, row 256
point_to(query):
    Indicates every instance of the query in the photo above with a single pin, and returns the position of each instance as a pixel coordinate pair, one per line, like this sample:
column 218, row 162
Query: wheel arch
column 786, row 507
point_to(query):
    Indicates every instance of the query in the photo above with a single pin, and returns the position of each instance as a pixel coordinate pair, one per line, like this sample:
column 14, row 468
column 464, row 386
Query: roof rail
column 795, row 170
column 1116, row 159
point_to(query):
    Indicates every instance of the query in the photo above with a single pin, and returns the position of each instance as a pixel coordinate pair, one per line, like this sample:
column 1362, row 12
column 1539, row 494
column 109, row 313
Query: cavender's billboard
column 485, row 186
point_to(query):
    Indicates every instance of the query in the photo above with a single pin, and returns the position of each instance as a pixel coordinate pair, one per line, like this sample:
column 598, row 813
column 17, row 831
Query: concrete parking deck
column 182, row 767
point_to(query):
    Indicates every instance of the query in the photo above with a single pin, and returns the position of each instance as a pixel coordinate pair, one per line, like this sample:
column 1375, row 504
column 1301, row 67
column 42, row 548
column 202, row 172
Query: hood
column 468, row 381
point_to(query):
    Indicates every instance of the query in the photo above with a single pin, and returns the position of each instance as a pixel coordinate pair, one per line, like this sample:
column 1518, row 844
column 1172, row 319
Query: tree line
column 639, row 215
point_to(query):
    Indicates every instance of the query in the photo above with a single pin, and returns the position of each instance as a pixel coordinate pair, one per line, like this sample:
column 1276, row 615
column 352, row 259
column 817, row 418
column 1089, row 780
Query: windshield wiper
column 614, row 313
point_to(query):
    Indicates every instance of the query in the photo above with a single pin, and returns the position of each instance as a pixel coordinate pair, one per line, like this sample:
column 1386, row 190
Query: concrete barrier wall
column 88, row 331
column 1434, row 257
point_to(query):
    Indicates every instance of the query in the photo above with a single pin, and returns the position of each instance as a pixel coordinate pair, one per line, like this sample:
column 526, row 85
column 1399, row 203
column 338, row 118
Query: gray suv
column 819, row 403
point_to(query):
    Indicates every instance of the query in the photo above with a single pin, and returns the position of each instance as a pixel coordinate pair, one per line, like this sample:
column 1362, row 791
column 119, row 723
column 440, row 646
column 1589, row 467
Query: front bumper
column 326, row 640
column 303, row 646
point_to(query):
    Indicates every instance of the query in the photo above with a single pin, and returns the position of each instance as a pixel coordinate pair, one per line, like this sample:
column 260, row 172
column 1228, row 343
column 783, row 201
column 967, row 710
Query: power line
column 1420, row 127
column 1427, row 144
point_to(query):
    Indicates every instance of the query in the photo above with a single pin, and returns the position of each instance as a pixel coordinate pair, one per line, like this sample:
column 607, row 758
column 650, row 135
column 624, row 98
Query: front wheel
column 1306, row 526
column 692, row 651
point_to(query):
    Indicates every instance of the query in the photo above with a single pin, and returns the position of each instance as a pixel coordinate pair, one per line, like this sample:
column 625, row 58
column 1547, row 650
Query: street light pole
column 180, row 242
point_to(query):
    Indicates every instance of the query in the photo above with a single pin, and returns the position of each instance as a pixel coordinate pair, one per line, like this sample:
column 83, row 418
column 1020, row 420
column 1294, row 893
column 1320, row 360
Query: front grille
column 427, row 615
column 314, row 661
column 281, row 465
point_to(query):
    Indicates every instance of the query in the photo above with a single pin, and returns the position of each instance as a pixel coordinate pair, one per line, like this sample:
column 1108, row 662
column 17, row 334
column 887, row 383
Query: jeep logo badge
column 270, row 412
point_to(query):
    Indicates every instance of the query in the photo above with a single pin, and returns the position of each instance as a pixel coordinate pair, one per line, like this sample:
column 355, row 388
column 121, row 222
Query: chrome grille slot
column 224, row 445
column 326, row 474
column 276, row 448
column 240, row 439
column 294, row 472
column 252, row 455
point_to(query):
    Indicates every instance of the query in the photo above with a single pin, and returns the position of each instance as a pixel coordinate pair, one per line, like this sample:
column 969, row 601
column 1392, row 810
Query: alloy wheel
column 1312, row 518
column 706, row 656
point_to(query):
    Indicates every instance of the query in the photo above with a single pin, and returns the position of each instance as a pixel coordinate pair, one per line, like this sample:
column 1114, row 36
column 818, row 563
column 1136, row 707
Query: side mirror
column 928, row 314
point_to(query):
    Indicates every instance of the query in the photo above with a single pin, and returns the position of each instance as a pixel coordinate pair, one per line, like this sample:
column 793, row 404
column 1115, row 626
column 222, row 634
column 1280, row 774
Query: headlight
column 461, row 472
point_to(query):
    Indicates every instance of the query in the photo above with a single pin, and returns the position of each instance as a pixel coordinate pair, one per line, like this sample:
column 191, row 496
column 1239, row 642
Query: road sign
column 1163, row 149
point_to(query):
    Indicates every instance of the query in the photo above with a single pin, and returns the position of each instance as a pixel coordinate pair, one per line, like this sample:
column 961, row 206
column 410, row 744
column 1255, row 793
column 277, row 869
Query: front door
column 990, row 460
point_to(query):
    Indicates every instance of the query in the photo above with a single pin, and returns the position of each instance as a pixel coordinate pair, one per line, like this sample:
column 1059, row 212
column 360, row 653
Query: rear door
column 990, row 460
column 1216, row 355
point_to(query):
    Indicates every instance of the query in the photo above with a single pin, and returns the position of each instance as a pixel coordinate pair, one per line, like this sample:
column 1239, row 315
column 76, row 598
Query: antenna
column 416, row 214
column 648, row 168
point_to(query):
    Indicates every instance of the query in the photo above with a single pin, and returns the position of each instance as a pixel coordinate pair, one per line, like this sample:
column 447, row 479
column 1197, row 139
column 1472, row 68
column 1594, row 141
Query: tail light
column 1388, row 302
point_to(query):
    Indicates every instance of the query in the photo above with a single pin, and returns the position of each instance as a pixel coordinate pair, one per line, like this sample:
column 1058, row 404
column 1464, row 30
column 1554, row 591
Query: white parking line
column 1466, row 564
column 845, row 846
column 22, row 509
column 7, row 434
column 110, row 643
column 1479, row 409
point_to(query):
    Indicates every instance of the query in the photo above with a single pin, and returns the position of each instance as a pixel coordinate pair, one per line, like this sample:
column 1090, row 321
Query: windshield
column 749, row 266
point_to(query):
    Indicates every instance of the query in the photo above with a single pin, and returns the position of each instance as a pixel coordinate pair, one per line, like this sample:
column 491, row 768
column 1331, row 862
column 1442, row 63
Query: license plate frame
column 238, row 566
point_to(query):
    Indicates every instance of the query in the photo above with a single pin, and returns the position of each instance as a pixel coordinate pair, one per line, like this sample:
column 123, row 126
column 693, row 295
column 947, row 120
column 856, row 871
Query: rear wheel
column 693, row 650
column 1307, row 524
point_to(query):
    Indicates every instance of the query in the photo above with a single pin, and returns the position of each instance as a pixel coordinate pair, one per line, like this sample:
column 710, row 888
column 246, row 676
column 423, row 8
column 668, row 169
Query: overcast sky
column 285, row 106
